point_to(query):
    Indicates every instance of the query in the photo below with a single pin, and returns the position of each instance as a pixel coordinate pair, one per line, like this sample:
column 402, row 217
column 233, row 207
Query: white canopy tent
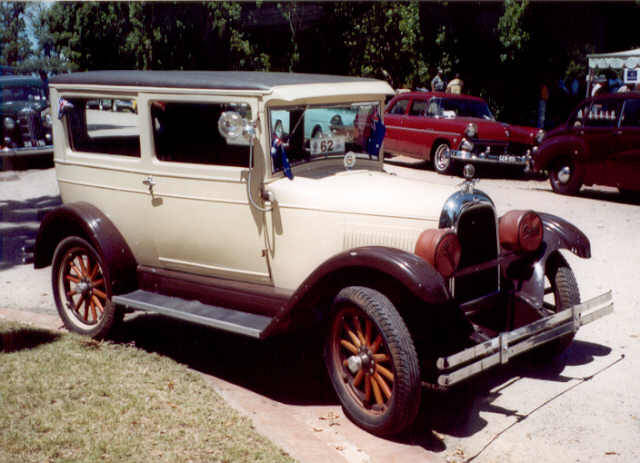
column 628, row 60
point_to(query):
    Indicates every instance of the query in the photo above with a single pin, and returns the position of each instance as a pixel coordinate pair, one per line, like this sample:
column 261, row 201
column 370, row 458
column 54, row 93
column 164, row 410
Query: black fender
column 88, row 222
column 362, row 266
column 558, row 234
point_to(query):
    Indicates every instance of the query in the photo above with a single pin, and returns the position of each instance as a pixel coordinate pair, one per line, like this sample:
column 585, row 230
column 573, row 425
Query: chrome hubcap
column 564, row 174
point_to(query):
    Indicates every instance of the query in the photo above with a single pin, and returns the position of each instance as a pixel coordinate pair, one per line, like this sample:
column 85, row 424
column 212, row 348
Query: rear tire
column 372, row 362
column 82, row 289
column 564, row 176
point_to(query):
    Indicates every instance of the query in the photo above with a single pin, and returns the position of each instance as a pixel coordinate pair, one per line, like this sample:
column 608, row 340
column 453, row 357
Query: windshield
column 22, row 93
column 309, row 133
column 453, row 107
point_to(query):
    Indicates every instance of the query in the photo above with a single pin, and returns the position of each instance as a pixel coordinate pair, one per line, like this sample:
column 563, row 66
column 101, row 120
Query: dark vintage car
column 448, row 129
column 599, row 144
column 25, row 116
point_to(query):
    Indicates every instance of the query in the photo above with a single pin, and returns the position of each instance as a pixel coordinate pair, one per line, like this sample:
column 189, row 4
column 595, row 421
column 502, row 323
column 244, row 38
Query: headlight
column 466, row 145
column 46, row 118
column 9, row 123
column 441, row 248
column 471, row 131
column 540, row 136
column 520, row 231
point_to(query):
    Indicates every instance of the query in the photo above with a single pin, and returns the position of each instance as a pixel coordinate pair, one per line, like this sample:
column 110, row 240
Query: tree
column 14, row 43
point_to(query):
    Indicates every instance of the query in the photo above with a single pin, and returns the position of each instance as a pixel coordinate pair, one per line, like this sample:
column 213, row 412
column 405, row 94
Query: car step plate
column 234, row 321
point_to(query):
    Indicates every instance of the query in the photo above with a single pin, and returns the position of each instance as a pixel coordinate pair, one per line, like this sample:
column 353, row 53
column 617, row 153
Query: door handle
column 148, row 181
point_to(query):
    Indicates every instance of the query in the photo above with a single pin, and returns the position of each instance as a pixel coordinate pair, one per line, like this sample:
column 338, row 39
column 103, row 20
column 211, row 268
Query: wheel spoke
column 72, row 278
column 99, row 282
column 76, row 269
column 83, row 266
column 353, row 337
column 549, row 306
column 94, row 271
column 548, row 290
column 367, row 334
column 350, row 347
column 93, row 311
column 384, row 372
column 78, row 304
column 381, row 357
column 71, row 292
column 367, row 388
column 376, row 391
column 383, row 385
column 97, row 303
column 358, row 379
column 358, row 327
column 376, row 344
column 86, row 309
column 99, row 293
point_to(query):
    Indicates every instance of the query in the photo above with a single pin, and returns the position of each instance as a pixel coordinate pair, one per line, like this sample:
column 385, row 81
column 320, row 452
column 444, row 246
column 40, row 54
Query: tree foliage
column 14, row 43
column 503, row 50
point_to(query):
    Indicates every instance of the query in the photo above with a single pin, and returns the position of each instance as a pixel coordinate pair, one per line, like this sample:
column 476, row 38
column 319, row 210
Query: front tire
column 564, row 177
column 561, row 292
column 82, row 289
column 372, row 362
column 442, row 162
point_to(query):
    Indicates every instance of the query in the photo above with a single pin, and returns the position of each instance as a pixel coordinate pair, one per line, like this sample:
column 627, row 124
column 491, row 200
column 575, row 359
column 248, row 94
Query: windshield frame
column 363, row 159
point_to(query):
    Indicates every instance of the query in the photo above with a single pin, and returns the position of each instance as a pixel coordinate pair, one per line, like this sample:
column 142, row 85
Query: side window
column 577, row 118
column 631, row 114
column 188, row 132
column 603, row 114
column 418, row 108
column 105, row 126
column 400, row 107
column 434, row 108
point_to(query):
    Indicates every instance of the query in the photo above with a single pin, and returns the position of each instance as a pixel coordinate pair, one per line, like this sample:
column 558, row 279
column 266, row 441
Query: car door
column 418, row 137
column 623, row 165
column 198, row 208
column 394, row 120
column 598, row 133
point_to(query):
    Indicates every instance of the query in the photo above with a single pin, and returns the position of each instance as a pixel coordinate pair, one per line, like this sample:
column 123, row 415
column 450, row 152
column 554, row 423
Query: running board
column 234, row 321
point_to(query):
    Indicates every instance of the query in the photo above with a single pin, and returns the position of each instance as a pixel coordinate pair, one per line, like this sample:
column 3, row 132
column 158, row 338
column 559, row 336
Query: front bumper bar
column 26, row 151
column 501, row 159
column 499, row 350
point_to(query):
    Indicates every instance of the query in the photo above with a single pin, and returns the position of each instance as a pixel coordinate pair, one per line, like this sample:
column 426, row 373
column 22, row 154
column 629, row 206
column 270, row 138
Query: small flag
column 64, row 106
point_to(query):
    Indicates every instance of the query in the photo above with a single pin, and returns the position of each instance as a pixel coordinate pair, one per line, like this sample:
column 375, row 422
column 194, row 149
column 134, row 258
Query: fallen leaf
column 339, row 447
column 611, row 453
column 317, row 429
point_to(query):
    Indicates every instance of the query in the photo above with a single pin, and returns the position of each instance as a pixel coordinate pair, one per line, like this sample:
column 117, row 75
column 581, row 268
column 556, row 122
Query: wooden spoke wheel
column 81, row 288
column 372, row 362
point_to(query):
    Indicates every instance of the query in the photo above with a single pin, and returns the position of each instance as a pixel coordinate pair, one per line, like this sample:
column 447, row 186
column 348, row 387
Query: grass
column 66, row 398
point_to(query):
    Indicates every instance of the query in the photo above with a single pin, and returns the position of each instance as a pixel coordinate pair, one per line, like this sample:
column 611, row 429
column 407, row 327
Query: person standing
column 455, row 86
column 437, row 84
column 542, row 105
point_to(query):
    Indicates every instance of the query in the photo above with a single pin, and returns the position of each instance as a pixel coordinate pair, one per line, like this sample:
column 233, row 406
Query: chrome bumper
column 502, row 159
column 27, row 151
column 499, row 350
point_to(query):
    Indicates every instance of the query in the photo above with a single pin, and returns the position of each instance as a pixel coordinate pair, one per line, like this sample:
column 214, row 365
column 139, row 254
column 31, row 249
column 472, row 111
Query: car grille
column 31, row 129
column 498, row 148
column 478, row 238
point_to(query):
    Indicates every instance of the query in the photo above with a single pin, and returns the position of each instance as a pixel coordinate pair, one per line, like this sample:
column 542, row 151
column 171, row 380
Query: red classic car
column 599, row 144
column 447, row 129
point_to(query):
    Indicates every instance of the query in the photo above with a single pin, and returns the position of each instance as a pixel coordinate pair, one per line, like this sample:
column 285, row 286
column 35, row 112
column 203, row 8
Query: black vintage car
column 25, row 116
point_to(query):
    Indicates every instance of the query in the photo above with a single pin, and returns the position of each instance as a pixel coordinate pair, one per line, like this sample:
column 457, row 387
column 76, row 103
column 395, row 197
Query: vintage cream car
column 195, row 207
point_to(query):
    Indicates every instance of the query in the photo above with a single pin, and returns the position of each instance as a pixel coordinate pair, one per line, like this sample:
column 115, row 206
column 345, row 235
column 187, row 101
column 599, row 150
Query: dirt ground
column 583, row 408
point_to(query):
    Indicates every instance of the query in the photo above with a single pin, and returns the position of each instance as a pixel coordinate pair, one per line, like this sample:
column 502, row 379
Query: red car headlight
column 441, row 248
column 520, row 231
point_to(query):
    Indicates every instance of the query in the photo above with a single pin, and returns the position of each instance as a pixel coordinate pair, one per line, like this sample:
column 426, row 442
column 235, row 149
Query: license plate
column 28, row 144
column 327, row 145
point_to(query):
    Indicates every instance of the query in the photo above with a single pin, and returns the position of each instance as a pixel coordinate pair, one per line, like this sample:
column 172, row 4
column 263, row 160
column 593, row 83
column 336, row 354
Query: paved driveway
column 585, row 408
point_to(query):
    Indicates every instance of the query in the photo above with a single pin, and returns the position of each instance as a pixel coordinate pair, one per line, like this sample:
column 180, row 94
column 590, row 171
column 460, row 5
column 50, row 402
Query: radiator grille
column 478, row 238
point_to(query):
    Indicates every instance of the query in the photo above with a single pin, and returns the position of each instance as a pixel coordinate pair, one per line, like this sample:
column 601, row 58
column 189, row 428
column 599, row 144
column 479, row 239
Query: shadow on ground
column 19, row 222
column 25, row 338
column 289, row 369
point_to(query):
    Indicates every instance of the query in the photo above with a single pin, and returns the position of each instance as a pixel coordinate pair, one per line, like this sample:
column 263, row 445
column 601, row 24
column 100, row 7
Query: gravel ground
column 582, row 409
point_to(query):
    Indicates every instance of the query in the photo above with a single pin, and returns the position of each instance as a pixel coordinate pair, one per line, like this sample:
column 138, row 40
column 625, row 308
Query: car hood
column 13, row 107
column 494, row 130
column 364, row 192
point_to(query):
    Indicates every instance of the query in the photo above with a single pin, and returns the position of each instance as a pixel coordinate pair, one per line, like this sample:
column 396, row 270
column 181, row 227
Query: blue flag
column 280, row 159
